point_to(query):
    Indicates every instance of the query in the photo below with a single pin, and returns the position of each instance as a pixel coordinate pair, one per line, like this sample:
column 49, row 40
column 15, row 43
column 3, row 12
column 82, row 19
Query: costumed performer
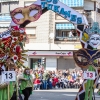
column 26, row 85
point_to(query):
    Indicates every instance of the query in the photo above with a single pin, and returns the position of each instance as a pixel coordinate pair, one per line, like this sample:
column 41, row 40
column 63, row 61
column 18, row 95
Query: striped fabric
column 65, row 26
column 73, row 3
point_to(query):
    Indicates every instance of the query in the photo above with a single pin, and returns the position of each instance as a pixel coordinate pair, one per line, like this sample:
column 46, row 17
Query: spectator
column 55, row 82
column 61, row 80
column 37, row 84
column 66, row 82
column 49, row 80
column 58, row 79
column 71, row 81
column 45, row 79
column 74, row 75
column 53, row 74
column 67, row 72
column 74, row 33
column 71, row 33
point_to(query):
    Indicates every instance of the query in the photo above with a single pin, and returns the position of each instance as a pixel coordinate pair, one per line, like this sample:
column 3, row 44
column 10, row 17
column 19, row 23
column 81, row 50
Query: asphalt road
column 56, row 95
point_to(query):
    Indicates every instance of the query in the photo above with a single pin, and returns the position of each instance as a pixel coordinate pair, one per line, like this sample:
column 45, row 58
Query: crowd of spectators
column 46, row 79
column 56, row 79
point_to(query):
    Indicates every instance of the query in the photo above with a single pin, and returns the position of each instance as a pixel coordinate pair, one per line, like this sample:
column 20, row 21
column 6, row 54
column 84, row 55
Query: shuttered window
column 31, row 32
column 28, row 2
column 65, row 63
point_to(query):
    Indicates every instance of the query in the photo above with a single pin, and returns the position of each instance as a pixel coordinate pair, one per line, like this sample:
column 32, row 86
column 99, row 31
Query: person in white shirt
column 71, row 33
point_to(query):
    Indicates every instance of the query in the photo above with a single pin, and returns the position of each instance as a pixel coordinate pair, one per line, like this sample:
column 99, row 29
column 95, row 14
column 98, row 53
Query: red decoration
column 18, row 49
column 15, row 57
column 14, row 28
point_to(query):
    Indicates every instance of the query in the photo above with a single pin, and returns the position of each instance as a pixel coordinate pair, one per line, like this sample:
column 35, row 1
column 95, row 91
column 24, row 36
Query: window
column 62, row 33
column 0, row 7
column 65, row 32
column 9, row 6
column 88, row 5
column 14, row 5
column 98, row 10
column 37, row 63
column 31, row 32
column 5, row 8
column 28, row 3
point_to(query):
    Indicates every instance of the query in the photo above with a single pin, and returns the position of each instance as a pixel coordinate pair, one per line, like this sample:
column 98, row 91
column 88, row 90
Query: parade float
column 12, row 53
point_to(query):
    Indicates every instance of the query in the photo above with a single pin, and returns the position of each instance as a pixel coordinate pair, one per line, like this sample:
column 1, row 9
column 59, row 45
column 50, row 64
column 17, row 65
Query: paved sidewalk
column 62, row 90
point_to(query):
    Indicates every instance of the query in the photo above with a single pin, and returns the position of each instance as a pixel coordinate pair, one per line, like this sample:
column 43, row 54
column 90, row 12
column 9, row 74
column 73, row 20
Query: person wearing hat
column 26, row 85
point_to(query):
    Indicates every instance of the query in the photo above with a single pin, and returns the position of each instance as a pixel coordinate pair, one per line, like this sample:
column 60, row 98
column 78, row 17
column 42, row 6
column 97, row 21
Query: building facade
column 50, row 44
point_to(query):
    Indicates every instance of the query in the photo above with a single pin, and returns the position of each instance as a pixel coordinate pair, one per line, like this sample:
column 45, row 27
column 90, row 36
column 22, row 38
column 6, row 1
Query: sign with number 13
column 8, row 76
column 89, row 75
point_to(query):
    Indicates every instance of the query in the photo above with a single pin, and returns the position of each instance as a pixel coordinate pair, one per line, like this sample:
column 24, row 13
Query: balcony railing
column 75, row 38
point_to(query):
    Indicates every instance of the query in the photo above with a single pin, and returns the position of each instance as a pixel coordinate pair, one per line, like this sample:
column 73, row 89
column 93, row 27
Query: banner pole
column 89, row 87
column 8, row 88
column 17, row 89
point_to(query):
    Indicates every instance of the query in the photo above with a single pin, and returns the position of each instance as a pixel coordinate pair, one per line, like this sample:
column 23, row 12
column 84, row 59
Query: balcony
column 70, row 39
column 65, row 32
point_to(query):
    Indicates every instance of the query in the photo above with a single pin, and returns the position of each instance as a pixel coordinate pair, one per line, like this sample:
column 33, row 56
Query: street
column 67, row 94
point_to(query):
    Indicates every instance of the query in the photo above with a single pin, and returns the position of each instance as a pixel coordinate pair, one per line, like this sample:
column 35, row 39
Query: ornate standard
column 88, row 58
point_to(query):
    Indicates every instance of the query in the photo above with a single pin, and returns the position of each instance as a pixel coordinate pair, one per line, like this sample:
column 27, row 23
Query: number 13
column 10, row 76
column 90, row 75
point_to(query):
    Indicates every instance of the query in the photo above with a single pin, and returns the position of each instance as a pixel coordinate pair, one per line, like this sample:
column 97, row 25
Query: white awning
column 65, row 26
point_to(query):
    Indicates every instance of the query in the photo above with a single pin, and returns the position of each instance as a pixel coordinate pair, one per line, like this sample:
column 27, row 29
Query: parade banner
column 87, row 58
